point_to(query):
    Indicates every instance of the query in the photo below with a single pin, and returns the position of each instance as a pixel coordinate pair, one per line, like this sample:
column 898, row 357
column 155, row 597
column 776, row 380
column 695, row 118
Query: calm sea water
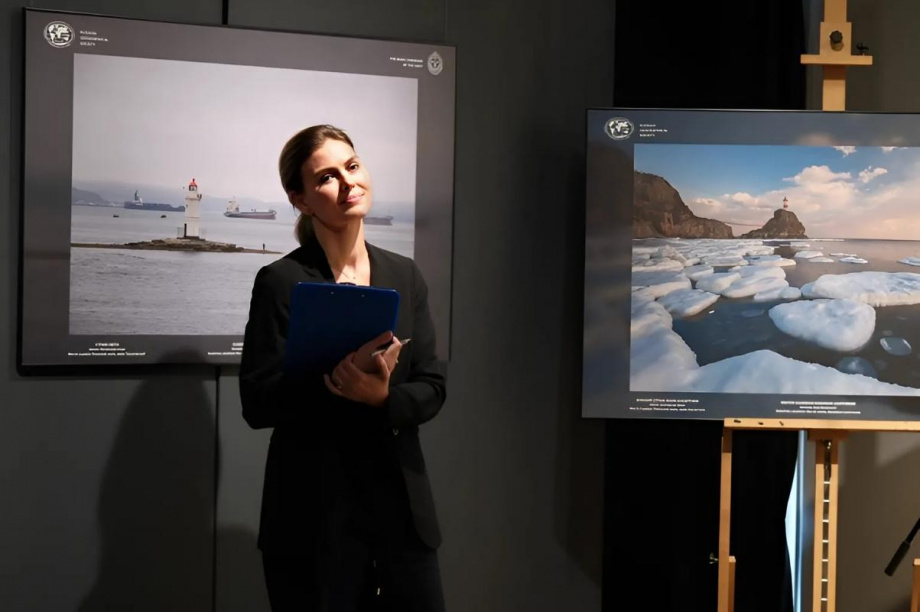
column 740, row 326
column 115, row 291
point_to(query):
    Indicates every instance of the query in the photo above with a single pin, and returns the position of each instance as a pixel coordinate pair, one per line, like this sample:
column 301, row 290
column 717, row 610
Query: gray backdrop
column 142, row 493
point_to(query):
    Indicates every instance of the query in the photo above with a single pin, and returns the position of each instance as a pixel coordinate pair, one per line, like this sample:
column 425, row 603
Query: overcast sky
column 836, row 192
column 163, row 122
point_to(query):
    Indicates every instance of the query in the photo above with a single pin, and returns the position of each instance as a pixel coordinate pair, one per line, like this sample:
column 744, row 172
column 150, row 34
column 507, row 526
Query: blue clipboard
column 329, row 321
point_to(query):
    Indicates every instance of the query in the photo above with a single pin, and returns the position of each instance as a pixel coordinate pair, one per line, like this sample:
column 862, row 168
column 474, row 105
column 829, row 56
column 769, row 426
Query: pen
column 383, row 350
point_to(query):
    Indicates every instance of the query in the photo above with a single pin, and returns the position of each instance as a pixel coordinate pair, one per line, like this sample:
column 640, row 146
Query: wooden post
column 726, row 568
column 915, row 592
column 827, row 487
column 835, row 53
column 827, row 435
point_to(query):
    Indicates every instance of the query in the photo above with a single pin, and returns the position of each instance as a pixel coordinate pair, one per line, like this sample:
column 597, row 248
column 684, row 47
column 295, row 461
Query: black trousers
column 359, row 577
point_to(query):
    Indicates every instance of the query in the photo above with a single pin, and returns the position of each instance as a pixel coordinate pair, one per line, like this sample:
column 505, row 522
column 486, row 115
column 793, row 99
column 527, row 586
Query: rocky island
column 783, row 225
column 192, row 245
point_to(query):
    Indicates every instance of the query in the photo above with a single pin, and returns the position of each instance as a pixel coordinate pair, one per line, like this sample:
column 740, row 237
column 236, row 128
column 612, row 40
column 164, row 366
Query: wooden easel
column 827, row 436
column 835, row 55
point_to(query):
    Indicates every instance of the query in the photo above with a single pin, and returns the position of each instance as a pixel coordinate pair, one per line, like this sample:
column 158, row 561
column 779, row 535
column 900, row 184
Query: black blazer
column 311, row 424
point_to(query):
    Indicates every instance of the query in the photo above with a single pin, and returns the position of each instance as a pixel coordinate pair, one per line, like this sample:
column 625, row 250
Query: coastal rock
column 658, row 210
column 784, row 224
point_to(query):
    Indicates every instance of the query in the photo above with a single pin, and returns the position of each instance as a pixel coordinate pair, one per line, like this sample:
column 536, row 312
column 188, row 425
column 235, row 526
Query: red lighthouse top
column 193, row 186
column 785, row 203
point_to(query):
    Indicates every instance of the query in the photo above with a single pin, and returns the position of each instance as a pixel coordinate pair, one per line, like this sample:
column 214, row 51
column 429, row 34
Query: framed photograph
column 752, row 264
column 151, row 194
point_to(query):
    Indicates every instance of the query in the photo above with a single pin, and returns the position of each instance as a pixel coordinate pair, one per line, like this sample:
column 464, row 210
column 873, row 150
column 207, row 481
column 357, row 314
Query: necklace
column 352, row 277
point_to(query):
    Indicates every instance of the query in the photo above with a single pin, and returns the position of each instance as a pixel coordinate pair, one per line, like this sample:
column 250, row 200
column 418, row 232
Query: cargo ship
column 233, row 211
column 139, row 204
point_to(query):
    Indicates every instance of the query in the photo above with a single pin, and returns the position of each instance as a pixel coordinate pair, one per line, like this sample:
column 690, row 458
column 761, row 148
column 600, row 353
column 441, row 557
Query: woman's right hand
column 368, row 364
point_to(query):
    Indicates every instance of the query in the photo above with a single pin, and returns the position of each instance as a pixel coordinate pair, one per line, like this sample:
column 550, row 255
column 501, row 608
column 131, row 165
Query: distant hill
column 658, row 210
column 81, row 196
column 784, row 224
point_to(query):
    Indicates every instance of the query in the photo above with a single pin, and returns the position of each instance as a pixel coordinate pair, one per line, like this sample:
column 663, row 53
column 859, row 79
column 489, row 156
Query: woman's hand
column 350, row 382
column 366, row 362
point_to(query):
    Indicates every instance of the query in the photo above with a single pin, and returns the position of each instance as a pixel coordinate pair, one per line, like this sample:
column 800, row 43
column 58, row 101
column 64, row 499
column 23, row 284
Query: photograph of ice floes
column 775, row 270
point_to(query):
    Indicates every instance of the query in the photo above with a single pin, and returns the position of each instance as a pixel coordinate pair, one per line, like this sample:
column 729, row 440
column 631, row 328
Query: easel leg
column 825, row 526
column 726, row 567
column 915, row 593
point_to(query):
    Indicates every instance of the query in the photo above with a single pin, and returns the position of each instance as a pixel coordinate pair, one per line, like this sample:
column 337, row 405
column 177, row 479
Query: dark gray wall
column 116, row 493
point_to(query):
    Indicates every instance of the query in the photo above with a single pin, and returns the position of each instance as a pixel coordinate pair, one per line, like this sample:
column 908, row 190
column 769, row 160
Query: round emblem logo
column 435, row 63
column 59, row 34
column 619, row 128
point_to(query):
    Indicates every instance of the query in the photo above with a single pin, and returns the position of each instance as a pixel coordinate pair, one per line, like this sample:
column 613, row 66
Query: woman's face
column 337, row 188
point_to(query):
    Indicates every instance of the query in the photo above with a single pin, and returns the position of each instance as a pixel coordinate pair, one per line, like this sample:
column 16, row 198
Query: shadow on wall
column 156, row 502
column 879, row 503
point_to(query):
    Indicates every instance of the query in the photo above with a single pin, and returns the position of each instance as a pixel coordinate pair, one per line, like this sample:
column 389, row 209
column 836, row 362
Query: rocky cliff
column 784, row 224
column 659, row 211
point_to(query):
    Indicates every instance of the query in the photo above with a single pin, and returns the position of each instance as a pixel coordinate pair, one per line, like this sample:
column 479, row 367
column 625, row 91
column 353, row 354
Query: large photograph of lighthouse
column 150, row 188
column 176, row 201
column 775, row 269
column 752, row 264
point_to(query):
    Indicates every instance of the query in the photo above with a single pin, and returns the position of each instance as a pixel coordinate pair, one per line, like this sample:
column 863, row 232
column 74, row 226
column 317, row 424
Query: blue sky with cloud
column 837, row 192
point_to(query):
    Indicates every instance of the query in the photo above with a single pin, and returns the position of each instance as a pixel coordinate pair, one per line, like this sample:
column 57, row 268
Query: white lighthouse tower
column 192, row 213
column 785, row 203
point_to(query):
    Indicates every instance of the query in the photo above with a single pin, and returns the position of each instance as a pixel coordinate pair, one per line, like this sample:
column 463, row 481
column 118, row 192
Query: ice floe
column 725, row 260
column 716, row 283
column 840, row 325
column 856, row 365
column 695, row 273
column 778, row 293
column 820, row 260
column 687, row 302
column 770, row 260
column 768, row 372
column 873, row 288
column 808, row 254
column 658, row 264
column 853, row 260
column 843, row 254
column 660, row 360
column 910, row 261
column 899, row 347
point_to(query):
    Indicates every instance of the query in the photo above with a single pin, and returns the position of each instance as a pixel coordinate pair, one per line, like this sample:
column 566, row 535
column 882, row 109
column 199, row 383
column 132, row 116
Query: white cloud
column 890, row 149
column 818, row 175
column 870, row 173
column 846, row 150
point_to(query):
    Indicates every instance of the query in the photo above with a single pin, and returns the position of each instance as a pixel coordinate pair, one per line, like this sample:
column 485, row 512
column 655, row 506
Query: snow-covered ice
column 716, row 283
column 820, row 260
column 695, row 273
column 910, row 261
column 770, row 260
column 725, row 260
column 843, row 254
column 873, row 288
column 687, row 302
column 768, row 372
column 658, row 264
column 779, row 293
column 808, row 254
column 853, row 260
column 840, row 325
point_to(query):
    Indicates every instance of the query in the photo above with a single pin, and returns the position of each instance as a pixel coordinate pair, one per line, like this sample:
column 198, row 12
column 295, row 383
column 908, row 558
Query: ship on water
column 233, row 211
column 385, row 220
column 139, row 204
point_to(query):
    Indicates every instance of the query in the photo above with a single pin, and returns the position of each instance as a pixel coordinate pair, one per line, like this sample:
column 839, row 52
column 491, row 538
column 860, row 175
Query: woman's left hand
column 348, row 381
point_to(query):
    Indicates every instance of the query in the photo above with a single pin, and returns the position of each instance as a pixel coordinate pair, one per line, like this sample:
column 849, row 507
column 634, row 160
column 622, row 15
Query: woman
column 348, row 520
